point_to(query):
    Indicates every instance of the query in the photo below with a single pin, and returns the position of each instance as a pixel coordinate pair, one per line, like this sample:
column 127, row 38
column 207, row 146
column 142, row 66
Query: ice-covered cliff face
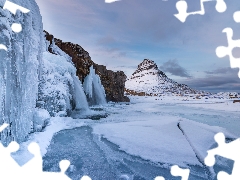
column 20, row 69
column 60, row 90
column 33, row 81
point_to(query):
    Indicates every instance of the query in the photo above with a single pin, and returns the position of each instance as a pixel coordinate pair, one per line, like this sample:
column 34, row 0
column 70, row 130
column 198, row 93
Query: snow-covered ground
column 139, row 140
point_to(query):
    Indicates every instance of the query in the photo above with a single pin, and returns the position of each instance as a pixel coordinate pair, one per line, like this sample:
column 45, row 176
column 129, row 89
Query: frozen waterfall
column 80, row 97
column 93, row 88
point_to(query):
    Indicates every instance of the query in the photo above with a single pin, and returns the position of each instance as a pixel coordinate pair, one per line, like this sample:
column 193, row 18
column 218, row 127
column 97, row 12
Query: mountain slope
column 150, row 80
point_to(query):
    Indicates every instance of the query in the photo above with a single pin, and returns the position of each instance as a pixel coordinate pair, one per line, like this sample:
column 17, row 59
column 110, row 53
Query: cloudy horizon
column 120, row 35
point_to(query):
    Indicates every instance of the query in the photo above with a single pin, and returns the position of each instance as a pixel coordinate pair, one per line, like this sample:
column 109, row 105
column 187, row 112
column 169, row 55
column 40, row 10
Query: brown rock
column 113, row 82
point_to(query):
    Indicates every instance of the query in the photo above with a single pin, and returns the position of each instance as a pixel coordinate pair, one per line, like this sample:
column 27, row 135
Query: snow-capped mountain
column 150, row 80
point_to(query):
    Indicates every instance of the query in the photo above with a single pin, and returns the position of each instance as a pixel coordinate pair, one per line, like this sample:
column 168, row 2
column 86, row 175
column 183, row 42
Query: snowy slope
column 149, row 79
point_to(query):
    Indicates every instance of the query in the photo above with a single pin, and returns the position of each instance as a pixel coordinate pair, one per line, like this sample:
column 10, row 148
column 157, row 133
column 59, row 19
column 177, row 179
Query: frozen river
column 140, row 141
column 225, row 119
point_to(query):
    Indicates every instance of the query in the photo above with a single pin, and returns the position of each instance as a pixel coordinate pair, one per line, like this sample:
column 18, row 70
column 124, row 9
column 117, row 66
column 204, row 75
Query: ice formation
column 33, row 81
column 79, row 95
column 20, row 69
column 60, row 89
column 93, row 88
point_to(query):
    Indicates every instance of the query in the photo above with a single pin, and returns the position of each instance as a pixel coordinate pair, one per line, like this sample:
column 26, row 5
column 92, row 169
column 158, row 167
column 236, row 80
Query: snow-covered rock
column 40, row 119
column 149, row 80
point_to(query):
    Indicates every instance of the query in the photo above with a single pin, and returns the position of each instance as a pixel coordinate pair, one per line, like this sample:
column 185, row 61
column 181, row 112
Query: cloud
column 221, row 79
column 106, row 40
column 123, row 33
column 174, row 68
column 224, row 70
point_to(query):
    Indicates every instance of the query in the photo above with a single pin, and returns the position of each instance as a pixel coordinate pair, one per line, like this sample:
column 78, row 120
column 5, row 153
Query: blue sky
column 121, row 34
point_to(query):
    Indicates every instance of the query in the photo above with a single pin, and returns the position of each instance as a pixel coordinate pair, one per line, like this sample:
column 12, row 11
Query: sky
column 122, row 34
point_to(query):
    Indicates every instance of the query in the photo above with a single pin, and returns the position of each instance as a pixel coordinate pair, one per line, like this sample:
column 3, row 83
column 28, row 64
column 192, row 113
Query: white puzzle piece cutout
column 159, row 178
column 10, row 169
column 222, row 51
column 12, row 7
column 236, row 17
column 111, row 1
column 179, row 172
column 16, row 27
column 182, row 8
column 227, row 150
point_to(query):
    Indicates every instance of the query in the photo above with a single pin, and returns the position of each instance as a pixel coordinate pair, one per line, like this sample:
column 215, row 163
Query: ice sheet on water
column 153, row 140
column 159, row 139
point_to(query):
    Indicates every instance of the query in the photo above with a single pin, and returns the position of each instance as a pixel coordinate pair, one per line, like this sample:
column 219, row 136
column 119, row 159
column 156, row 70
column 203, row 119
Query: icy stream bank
column 139, row 141
column 100, row 159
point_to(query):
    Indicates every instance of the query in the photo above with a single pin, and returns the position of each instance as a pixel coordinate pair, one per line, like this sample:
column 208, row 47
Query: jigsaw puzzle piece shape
column 35, row 164
column 182, row 11
column 3, row 47
column 85, row 178
column 12, row 7
column 10, row 165
column 5, row 154
column 5, row 125
column 222, row 51
column 224, row 176
column 64, row 165
column 182, row 7
column 111, row 1
column 227, row 150
column 177, row 171
column 159, row 178
column 235, row 173
column 236, row 17
column 221, row 6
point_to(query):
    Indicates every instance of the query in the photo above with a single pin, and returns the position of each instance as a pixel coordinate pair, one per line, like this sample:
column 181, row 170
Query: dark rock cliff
column 113, row 82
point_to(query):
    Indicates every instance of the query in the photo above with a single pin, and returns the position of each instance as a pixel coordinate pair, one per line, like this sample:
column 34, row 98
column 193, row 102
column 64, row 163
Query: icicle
column 93, row 88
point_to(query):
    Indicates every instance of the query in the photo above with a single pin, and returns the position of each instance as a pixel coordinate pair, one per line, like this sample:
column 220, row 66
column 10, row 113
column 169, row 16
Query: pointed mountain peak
column 147, row 64
column 149, row 79
column 150, row 66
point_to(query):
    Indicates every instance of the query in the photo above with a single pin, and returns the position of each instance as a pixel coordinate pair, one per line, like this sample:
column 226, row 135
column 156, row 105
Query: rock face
column 113, row 82
column 148, row 80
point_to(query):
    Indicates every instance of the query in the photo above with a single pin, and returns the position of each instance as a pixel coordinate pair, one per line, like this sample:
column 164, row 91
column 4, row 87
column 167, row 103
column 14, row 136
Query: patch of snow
column 40, row 119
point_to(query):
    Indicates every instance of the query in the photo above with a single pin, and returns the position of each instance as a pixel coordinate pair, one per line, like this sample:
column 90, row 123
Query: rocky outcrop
column 113, row 82
column 148, row 65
